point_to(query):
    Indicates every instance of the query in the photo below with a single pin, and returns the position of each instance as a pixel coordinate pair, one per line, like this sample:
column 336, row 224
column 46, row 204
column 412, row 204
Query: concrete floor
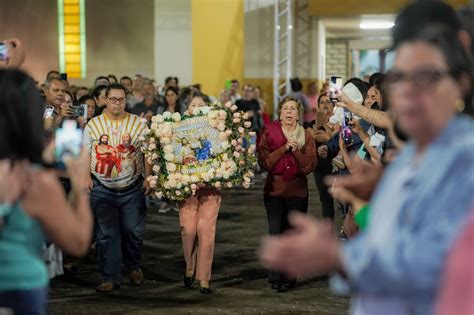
column 238, row 281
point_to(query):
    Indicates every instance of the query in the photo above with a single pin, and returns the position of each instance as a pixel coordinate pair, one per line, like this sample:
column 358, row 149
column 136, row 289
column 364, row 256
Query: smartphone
column 68, row 142
column 335, row 87
column 3, row 52
column 63, row 76
column 79, row 111
column 48, row 112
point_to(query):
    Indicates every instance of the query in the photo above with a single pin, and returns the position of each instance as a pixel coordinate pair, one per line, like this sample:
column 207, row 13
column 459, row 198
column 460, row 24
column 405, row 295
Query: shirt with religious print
column 114, row 146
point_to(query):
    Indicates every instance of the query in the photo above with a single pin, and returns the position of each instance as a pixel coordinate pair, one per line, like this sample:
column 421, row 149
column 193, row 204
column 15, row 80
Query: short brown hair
column 289, row 99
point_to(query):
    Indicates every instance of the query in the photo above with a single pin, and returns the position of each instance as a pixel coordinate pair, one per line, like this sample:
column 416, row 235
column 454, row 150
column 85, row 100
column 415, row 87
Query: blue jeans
column 119, row 227
column 34, row 302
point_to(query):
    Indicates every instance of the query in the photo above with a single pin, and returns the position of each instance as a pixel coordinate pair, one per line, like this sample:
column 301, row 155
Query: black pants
column 278, row 210
column 327, row 201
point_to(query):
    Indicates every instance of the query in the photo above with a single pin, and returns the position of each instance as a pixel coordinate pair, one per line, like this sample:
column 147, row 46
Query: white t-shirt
column 115, row 149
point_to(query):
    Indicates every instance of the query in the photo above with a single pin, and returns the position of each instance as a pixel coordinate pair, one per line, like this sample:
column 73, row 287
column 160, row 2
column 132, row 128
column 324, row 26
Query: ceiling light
column 373, row 25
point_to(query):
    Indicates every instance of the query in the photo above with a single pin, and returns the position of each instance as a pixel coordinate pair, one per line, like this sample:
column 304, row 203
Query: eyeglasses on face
column 116, row 100
column 421, row 78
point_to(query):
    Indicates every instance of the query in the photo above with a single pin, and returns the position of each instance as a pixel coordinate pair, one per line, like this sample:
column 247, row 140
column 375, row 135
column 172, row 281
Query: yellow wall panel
column 72, row 48
column 74, row 67
column 72, row 39
column 72, row 19
column 71, row 9
column 218, row 43
column 73, row 57
column 72, row 29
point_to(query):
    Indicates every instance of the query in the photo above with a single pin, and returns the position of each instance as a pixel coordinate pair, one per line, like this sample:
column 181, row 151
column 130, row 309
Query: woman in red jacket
column 288, row 153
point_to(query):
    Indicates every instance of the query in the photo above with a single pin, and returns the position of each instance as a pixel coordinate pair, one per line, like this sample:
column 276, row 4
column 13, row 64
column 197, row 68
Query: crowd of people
column 395, row 154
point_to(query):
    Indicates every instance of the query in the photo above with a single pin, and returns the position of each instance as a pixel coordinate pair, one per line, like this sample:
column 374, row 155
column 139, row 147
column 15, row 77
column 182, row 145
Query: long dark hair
column 21, row 121
column 175, row 90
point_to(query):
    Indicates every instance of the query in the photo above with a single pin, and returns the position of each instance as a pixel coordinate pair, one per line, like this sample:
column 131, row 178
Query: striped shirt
column 114, row 146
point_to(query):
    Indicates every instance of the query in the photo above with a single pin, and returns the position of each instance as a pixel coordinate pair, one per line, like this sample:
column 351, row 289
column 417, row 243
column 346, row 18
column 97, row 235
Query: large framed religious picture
column 212, row 146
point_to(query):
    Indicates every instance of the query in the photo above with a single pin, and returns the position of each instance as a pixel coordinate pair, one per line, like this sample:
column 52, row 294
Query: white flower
column 241, row 130
column 167, row 115
column 217, row 184
column 152, row 146
column 165, row 140
column 213, row 114
column 154, row 126
column 225, row 144
column 228, row 104
column 221, row 127
column 236, row 154
column 171, row 167
column 246, row 116
column 194, row 179
column 172, row 183
column 186, row 189
column 236, row 115
column 169, row 157
column 228, row 132
column 234, row 142
column 196, row 111
column 229, row 185
column 168, row 149
column 247, row 179
column 250, row 174
column 234, row 108
column 159, row 194
column 156, row 168
column 205, row 110
column 226, row 175
column 222, row 114
column 178, row 193
column 236, row 120
column 246, row 185
column 176, row 117
column 247, row 124
column 185, row 179
column 157, row 119
column 154, row 156
column 152, row 140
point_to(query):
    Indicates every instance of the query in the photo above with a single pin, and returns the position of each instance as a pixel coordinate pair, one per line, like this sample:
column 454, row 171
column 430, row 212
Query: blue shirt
column 417, row 211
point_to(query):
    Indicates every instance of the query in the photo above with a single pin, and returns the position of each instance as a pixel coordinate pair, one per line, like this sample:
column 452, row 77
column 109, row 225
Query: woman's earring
column 460, row 105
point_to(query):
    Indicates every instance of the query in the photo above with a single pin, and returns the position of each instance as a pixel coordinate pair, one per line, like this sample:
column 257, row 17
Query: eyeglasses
column 422, row 78
column 117, row 100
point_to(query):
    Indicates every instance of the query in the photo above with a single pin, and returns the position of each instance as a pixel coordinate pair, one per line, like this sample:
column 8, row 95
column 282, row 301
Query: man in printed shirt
column 117, row 194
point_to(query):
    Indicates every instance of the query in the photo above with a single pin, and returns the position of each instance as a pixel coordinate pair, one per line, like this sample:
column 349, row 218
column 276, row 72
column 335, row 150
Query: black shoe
column 188, row 281
column 286, row 286
column 276, row 285
column 206, row 290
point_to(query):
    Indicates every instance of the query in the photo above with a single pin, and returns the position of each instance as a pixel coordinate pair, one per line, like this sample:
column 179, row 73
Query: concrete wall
column 337, row 55
column 119, row 36
column 173, row 40
column 34, row 22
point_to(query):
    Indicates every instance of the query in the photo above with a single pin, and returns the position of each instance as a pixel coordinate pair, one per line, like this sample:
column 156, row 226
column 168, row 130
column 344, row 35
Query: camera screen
column 68, row 142
column 3, row 52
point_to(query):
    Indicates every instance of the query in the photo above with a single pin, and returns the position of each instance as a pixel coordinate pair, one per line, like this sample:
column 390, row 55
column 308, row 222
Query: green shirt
column 21, row 240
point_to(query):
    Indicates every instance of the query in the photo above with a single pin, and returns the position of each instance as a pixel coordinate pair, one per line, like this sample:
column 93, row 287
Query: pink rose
column 247, row 124
column 236, row 120
column 234, row 142
column 234, row 108
column 236, row 115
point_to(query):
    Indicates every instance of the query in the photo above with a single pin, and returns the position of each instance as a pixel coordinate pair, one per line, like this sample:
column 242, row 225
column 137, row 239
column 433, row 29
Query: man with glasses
column 117, row 192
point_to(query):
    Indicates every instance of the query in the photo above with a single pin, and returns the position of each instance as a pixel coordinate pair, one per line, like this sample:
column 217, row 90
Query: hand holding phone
column 335, row 88
column 68, row 143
